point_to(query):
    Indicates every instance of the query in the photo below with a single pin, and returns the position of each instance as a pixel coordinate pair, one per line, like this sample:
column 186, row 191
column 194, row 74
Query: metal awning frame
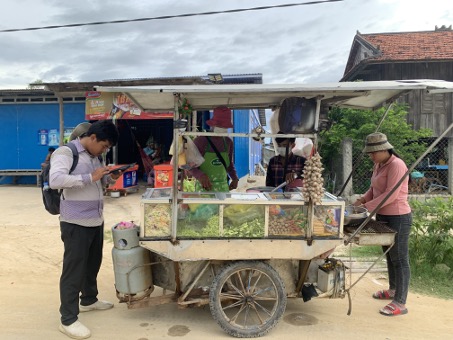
column 360, row 95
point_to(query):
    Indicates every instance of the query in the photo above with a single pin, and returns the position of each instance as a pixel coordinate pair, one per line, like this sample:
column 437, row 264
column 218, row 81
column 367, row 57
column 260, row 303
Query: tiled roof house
column 401, row 52
column 408, row 55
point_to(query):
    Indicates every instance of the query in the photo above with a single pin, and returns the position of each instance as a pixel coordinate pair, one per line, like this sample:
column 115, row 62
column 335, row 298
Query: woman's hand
column 290, row 177
column 359, row 202
column 205, row 182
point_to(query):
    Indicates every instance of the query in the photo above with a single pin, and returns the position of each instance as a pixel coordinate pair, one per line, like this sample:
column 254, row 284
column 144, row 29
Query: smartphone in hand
column 121, row 168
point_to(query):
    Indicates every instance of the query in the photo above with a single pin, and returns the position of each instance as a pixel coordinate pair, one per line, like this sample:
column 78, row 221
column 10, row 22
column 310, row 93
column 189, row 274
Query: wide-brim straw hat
column 221, row 118
column 79, row 130
column 376, row 142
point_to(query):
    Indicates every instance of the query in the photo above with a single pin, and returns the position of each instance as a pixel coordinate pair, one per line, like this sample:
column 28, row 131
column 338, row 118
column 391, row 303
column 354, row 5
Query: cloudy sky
column 287, row 45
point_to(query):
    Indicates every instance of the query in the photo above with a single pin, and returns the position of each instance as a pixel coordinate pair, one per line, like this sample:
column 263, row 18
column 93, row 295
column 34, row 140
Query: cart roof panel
column 363, row 95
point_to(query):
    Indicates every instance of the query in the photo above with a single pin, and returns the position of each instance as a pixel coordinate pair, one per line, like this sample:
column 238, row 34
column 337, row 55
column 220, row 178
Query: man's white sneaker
column 98, row 305
column 76, row 330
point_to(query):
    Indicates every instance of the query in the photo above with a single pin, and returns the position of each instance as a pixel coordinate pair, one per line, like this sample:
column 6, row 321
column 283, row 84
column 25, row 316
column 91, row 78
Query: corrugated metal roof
column 79, row 88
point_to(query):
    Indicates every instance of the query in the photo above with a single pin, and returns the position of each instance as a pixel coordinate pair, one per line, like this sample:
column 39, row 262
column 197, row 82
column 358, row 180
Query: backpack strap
column 75, row 156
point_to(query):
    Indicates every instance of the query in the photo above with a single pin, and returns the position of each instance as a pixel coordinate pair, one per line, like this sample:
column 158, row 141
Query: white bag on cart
column 189, row 155
column 273, row 123
column 303, row 147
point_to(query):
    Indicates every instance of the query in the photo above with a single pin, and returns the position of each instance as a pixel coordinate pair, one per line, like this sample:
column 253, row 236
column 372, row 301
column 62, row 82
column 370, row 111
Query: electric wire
column 164, row 17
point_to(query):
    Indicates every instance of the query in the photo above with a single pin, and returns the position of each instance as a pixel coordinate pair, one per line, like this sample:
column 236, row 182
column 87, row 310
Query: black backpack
column 51, row 197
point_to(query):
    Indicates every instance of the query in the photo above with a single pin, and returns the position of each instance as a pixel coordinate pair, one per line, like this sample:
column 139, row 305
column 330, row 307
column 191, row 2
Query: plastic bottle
column 46, row 186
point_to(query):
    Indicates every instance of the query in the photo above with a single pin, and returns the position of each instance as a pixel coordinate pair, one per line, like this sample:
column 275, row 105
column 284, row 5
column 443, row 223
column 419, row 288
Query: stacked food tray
column 373, row 233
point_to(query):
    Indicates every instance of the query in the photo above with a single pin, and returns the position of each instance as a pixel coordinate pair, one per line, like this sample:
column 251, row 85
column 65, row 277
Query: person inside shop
column 217, row 151
column 388, row 170
column 285, row 167
column 49, row 154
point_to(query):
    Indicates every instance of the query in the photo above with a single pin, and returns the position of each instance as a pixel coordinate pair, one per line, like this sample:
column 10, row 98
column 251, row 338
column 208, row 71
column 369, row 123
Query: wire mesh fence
column 430, row 176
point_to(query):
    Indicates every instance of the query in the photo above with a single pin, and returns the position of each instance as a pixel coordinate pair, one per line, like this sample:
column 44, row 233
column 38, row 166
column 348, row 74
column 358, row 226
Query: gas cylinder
column 133, row 279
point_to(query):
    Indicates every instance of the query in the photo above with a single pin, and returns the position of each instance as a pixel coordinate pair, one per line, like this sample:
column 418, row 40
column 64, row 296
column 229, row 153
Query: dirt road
column 30, row 265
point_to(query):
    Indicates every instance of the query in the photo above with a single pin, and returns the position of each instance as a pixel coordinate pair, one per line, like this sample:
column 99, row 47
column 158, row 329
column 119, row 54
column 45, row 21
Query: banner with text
column 108, row 105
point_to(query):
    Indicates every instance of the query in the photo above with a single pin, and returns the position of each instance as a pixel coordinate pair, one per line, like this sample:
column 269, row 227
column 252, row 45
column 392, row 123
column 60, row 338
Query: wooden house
column 408, row 55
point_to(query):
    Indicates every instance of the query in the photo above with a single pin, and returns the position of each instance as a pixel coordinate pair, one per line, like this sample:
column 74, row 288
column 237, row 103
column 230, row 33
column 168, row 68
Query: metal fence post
column 346, row 150
column 450, row 165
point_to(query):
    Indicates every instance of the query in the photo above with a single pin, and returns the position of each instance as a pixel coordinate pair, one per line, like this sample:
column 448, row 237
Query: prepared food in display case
column 243, row 220
column 326, row 221
column 157, row 218
column 287, row 220
column 198, row 220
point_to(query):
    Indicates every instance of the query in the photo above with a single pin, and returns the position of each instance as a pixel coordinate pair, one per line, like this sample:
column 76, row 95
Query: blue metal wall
column 19, row 126
column 247, row 152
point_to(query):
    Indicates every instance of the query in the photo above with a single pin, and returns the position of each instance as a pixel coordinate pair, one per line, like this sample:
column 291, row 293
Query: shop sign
column 107, row 105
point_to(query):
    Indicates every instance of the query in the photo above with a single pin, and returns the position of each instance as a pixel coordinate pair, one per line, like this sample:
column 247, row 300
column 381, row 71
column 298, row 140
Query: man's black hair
column 104, row 130
column 280, row 140
column 51, row 149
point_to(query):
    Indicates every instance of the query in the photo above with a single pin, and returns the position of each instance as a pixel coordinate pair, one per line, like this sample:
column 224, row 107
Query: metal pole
column 61, row 112
column 359, row 159
column 450, row 165
column 174, row 199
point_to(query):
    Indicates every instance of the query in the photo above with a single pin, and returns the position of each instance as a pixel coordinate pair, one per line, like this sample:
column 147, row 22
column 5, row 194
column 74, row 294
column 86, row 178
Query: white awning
column 361, row 95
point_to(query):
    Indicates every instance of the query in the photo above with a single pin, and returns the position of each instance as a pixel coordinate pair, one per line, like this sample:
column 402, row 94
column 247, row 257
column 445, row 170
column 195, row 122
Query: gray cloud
column 298, row 44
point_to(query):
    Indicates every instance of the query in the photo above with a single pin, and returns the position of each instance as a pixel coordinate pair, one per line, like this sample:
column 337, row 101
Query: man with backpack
column 82, row 222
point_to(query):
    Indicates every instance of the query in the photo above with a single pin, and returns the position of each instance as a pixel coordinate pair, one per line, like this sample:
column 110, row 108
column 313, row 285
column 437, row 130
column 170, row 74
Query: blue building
column 30, row 123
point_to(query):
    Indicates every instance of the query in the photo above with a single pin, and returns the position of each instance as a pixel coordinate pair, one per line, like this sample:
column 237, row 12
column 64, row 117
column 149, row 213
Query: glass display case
column 287, row 220
column 197, row 220
column 244, row 220
column 239, row 215
column 157, row 219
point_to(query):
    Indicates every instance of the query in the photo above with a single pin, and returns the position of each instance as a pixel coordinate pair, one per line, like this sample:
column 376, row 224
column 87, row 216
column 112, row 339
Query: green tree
column 357, row 124
column 37, row 84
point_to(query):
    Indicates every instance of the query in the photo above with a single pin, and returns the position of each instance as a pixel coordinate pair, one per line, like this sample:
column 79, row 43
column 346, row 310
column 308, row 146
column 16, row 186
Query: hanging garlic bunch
column 313, row 179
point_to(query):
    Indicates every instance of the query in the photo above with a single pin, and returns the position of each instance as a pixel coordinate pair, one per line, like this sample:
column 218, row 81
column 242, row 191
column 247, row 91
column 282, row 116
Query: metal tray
column 373, row 234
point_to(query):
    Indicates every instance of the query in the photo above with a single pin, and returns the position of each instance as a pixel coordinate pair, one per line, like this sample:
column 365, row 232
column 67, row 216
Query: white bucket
column 115, row 194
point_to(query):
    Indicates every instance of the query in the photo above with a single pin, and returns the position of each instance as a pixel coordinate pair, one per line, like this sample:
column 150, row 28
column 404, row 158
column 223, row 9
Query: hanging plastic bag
column 180, row 146
column 302, row 147
column 193, row 156
column 273, row 121
column 188, row 154
column 182, row 163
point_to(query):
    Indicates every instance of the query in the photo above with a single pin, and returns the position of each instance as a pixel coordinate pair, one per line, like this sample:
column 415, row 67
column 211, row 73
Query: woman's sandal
column 392, row 310
column 384, row 295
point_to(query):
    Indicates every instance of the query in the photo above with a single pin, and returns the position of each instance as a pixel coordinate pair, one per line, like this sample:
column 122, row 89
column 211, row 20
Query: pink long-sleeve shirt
column 384, row 178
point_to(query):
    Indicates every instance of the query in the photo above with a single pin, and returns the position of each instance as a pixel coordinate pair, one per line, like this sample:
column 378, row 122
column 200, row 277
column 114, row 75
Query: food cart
column 243, row 253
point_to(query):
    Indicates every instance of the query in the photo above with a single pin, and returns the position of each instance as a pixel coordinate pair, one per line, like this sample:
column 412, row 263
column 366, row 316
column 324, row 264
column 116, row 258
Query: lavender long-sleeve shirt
column 383, row 180
column 82, row 199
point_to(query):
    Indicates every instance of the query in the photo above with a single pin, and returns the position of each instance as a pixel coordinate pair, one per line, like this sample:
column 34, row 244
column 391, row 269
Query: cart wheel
column 247, row 298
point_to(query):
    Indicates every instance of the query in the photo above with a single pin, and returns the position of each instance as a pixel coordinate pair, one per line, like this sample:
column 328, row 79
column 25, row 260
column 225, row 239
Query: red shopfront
column 145, row 137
